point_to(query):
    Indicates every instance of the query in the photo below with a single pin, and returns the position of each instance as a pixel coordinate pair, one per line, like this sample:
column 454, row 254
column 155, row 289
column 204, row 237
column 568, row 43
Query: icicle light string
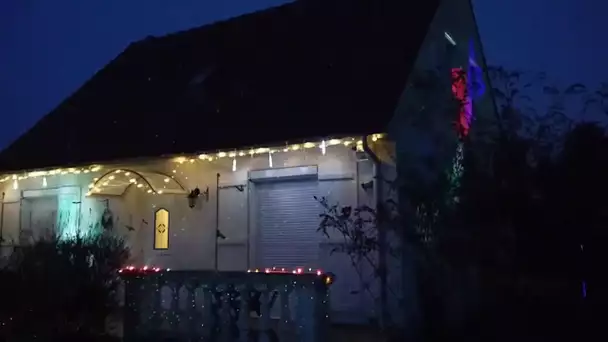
column 322, row 145
column 44, row 174
column 142, row 184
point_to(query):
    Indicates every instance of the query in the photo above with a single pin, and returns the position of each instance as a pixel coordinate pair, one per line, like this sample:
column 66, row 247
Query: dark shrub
column 54, row 288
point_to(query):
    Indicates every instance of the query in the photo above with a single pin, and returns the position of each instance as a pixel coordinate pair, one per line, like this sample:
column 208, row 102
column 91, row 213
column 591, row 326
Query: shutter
column 39, row 218
column 288, row 217
column 10, row 223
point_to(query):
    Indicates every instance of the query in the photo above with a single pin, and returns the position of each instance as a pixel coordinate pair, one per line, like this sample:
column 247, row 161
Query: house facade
column 208, row 149
column 253, row 208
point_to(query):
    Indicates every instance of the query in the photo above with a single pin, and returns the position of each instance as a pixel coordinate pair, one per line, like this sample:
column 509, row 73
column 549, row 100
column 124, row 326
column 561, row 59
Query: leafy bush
column 57, row 288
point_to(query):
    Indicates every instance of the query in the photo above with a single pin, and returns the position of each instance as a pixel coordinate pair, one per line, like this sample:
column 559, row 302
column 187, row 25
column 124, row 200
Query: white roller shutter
column 10, row 223
column 287, row 221
column 39, row 218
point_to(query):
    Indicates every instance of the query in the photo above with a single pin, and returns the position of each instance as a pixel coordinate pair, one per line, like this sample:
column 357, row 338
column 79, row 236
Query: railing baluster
column 243, row 315
column 264, row 309
column 175, row 322
column 210, row 320
column 131, row 319
column 191, row 309
column 321, row 313
column 285, row 311
column 155, row 319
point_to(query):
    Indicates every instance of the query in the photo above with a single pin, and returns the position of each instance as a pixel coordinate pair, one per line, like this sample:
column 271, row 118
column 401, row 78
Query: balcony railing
column 225, row 306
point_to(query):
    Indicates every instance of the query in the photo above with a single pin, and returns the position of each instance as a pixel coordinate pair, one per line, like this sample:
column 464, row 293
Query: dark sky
column 49, row 48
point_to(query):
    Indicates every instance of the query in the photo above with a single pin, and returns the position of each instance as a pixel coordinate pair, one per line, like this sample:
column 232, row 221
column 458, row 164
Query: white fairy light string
column 323, row 145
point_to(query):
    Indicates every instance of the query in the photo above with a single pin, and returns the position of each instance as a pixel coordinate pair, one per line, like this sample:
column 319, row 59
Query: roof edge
column 277, row 147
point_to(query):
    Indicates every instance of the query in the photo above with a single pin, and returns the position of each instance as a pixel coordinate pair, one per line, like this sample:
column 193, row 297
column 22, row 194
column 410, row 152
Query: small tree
column 409, row 224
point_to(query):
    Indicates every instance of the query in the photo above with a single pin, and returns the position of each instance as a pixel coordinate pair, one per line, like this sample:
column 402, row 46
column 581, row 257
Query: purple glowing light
column 584, row 289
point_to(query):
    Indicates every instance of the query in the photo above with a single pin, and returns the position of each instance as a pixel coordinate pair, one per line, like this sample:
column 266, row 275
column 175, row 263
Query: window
column 161, row 229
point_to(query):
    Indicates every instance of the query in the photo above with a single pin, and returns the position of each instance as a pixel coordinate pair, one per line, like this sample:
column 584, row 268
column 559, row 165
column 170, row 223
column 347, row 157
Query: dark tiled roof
column 307, row 69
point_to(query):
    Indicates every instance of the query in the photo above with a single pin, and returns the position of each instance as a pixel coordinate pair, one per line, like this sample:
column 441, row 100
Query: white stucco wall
column 341, row 171
column 192, row 231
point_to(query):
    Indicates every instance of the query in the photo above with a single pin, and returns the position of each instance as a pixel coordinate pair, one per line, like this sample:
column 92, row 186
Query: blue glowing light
column 475, row 75
column 584, row 289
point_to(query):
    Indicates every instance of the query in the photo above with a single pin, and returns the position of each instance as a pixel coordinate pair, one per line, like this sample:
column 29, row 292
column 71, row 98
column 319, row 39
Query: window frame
column 167, row 229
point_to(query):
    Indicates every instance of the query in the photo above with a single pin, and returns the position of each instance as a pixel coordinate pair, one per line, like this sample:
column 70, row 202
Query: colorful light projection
column 476, row 86
column 466, row 86
column 460, row 93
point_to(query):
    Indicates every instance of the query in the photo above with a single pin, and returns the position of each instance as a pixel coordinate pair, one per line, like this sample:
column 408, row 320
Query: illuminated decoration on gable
column 476, row 86
column 161, row 229
column 465, row 87
column 460, row 92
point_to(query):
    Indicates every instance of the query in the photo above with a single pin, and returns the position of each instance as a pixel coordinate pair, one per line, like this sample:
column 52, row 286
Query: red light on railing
column 282, row 270
column 143, row 269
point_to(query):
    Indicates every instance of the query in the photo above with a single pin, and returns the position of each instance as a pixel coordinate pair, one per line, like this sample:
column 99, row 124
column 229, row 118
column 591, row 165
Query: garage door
column 287, row 221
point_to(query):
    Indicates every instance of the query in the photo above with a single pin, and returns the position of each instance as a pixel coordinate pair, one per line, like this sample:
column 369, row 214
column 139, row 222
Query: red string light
column 282, row 270
column 274, row 270
column 143, row 269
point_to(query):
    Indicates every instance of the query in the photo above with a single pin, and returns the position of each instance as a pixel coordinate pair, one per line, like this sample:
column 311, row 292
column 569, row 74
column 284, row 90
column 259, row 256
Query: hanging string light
column 269, row 158
column 180, row 160
column 323, row 145
column 46, row 173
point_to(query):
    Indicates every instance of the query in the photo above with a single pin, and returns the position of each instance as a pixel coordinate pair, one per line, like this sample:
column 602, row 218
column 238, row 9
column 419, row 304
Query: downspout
column 382, row 250
column 217, row 222
column 2, row 219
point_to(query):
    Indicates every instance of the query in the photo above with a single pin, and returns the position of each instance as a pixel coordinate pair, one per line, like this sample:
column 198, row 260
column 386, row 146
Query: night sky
column 48, row 49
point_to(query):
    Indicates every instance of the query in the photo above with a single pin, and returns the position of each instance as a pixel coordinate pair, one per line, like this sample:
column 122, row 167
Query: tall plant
column 423, row 182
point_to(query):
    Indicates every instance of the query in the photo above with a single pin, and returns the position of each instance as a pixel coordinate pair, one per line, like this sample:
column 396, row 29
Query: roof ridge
column 196, row 29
